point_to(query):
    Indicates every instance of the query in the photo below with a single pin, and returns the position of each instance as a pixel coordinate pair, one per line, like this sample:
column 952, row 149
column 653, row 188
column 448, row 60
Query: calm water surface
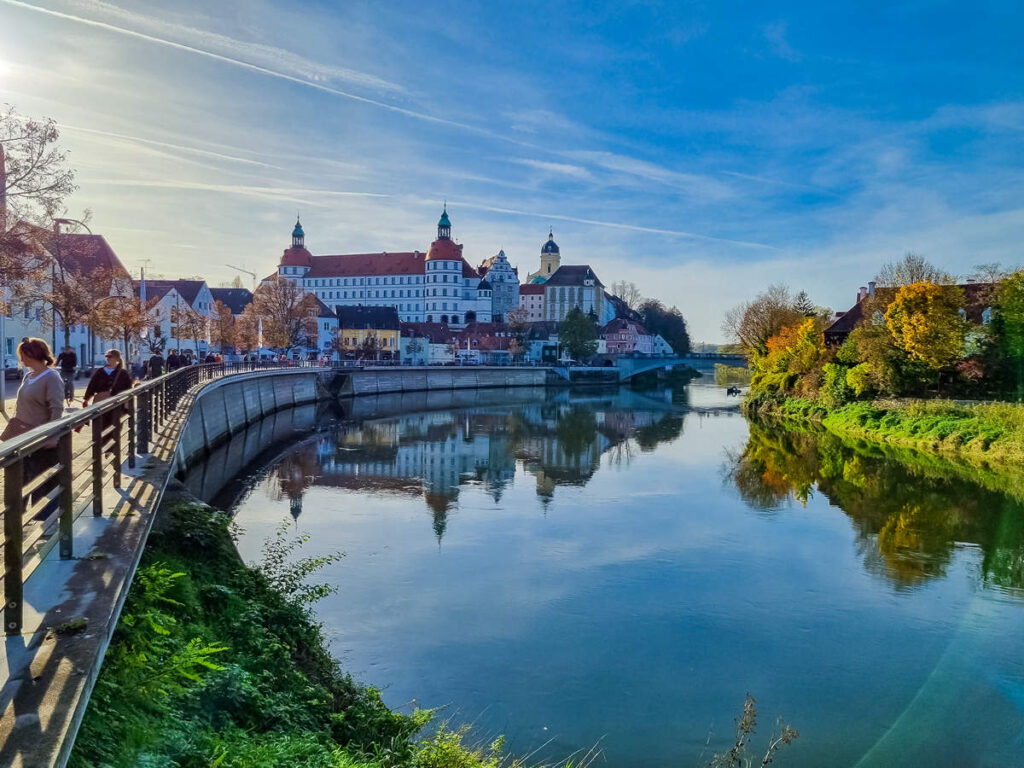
column 623, row 567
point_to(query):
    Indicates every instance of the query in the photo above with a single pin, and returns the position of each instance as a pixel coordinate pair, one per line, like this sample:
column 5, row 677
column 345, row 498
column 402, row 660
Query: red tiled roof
column 532, row 288
column 296, row 257
column 84, row 254
column 354, row 264
column 444, row 249
column 484, row 334
column 620, row 324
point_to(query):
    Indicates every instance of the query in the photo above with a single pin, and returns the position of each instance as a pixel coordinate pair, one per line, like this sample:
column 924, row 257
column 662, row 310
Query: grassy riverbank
column 989, row 433
column 217, row 664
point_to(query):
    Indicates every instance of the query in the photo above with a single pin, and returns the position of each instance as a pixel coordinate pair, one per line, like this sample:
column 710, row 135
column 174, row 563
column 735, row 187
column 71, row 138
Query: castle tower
column 550, row 260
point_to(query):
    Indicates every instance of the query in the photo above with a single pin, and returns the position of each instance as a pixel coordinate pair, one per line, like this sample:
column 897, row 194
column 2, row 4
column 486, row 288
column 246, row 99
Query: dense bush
column 217, row 664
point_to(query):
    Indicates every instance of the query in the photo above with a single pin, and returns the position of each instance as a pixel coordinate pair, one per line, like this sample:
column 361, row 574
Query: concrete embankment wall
column 383, row 381
column 225, row 407
column 228, row 405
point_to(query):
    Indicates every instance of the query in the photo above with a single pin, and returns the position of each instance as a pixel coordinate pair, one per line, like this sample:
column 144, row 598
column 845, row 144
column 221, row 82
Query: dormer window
column 877, row 318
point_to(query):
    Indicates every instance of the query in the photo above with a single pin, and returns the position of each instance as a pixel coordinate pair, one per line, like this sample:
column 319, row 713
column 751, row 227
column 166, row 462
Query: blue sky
column 700, row 150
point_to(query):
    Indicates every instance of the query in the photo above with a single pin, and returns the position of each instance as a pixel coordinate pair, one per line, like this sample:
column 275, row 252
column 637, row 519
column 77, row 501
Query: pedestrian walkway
column 71, row 605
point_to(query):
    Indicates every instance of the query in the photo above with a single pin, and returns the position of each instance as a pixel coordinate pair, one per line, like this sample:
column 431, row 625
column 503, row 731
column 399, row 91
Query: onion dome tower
column 443, row 276
column 296, row 261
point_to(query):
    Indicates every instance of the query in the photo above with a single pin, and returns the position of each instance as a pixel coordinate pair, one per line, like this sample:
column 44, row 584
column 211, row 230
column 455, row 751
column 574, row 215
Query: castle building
column 504, row 281
column 550, row 260
column 531, row 301
column 573, row 286
column 438, row 286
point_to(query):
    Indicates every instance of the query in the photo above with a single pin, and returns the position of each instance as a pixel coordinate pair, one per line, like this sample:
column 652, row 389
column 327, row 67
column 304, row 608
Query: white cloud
column 269, row 56
column 777, row 36
column 563, row 169
column 695, row 184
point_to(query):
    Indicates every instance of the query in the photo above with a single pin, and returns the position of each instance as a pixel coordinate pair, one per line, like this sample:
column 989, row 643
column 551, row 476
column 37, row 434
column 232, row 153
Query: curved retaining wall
column 227, row 406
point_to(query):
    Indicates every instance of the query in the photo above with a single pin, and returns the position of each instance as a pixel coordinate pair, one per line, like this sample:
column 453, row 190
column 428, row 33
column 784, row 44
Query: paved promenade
column 71, row 608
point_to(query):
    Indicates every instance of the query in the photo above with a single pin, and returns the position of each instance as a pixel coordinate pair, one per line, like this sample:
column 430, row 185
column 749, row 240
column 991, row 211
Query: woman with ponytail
column 112, row 379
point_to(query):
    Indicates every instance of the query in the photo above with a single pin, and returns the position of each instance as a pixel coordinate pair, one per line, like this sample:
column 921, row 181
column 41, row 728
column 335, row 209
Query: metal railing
column 50, row 477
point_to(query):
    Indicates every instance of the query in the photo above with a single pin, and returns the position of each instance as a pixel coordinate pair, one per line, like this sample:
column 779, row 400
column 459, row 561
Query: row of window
column 353, row 341
column 334, row 282
column 400, row 294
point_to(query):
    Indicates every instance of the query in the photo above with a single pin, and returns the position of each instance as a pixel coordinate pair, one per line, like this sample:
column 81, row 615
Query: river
column 620, row 568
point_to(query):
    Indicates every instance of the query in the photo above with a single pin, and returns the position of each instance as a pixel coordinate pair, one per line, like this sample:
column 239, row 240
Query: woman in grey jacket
column 40, row 400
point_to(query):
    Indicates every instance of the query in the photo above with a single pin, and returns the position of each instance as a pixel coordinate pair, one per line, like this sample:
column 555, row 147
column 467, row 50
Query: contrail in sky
column 167, row 145
column 263, row 70
column 614, row 225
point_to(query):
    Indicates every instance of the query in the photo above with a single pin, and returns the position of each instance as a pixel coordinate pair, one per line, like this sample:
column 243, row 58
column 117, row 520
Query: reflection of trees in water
column 909, row 517
column 664, row 430
column 576, row 433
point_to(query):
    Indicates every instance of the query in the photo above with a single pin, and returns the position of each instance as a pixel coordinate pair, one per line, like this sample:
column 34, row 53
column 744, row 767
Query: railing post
column 97, row 466
column 14, row 510
column 130, row 441
column 66, row 493
column 115, row 447
column 144, row 420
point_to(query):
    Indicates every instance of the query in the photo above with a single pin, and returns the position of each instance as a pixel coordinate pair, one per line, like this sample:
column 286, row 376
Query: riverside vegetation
column 216, row 664
column 921, row 340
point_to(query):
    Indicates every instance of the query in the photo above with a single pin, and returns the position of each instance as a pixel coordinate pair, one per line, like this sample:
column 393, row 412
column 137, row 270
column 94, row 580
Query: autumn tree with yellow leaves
column 925, row 322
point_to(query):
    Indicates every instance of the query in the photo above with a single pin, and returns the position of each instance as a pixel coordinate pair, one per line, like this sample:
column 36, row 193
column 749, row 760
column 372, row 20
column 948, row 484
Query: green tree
column 577, row 334
column 802, row 303
column 924, row 320
column 667, row 323
column 1009, row 324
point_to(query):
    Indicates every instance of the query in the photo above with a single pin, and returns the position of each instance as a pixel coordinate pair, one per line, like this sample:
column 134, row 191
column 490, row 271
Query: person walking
column 156, row 365
column 173, row 361
column 112, row 379
column 40, row 400
column 40, row 397
column 67, row 362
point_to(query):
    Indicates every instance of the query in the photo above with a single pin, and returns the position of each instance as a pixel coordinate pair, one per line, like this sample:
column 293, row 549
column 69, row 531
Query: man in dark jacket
column 67, row 361
column 173, row 361
column 156, row 365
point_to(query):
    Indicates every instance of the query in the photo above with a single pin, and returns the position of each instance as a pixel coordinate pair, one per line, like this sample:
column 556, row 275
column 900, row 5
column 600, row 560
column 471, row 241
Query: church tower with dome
column 550, row 260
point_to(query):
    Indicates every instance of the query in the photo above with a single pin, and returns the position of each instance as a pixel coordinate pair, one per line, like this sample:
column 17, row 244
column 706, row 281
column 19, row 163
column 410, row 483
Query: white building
column 504, row 282
column 573, row 286
column 531, row 301
column 166, row 298
column 436, row 286
column 82, row 258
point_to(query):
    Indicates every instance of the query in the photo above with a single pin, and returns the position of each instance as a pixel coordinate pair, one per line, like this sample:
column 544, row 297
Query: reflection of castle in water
column 435, row 453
